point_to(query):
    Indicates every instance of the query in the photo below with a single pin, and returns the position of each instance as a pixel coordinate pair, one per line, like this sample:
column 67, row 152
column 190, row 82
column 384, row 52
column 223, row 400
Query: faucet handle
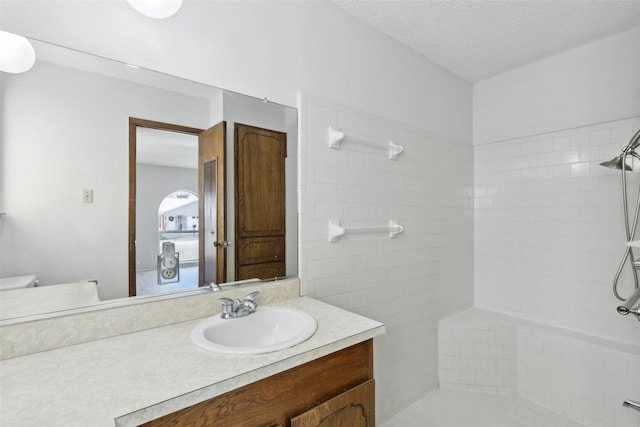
column 249, row 302
column 252, row 296
column 227, row 306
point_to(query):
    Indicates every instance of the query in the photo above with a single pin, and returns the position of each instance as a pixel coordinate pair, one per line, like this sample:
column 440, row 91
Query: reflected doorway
column 166, row 206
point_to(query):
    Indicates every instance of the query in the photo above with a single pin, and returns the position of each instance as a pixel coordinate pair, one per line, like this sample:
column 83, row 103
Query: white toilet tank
column 17, row 282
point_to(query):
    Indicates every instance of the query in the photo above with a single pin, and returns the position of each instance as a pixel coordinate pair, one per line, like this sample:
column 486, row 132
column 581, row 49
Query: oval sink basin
column 270, row 328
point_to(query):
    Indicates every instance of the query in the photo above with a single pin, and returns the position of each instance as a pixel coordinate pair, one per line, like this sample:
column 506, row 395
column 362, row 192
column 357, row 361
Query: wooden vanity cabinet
column 336, row 390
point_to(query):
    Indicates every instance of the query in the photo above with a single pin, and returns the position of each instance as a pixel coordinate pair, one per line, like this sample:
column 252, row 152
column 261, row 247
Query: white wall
column 2, row 156
column 548, row 228
column 262, row 48
column 49, row 158
column 595, row 83
column 548, row 219
column 276, row 49
column 408, row 282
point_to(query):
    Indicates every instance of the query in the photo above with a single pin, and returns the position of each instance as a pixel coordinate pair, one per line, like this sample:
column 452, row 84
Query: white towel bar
column 336, row 231
column 336, row 138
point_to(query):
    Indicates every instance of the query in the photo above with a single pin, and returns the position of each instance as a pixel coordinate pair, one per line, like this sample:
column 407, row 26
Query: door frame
column 135, row 123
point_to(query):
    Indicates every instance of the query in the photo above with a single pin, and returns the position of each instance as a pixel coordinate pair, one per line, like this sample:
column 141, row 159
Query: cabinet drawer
column 260, row 249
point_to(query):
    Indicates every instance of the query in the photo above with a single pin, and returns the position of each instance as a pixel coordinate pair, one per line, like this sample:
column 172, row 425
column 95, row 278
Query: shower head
column 616, row 163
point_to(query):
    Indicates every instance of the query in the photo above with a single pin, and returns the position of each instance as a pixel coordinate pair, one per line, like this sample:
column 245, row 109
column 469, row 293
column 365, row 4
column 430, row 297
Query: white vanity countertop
column 130, row 379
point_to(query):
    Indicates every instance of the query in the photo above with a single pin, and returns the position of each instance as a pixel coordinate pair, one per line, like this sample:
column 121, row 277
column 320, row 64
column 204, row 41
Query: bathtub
column 580, row 377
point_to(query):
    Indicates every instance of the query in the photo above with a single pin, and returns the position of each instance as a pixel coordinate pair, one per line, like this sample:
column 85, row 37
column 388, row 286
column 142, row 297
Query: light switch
column 87, row 196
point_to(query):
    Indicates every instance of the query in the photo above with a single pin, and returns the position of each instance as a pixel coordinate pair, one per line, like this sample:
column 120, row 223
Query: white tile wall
column 582, row 380
column 548, row 230
column 409, row 282
column 477, row 356
column 579, row 376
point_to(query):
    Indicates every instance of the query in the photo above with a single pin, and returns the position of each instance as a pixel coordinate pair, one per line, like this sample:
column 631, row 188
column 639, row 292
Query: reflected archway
column 177, row 243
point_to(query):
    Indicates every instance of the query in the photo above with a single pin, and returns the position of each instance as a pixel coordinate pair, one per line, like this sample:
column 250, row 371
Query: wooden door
column 260, row 202
column 353, row 408
column 211, row 167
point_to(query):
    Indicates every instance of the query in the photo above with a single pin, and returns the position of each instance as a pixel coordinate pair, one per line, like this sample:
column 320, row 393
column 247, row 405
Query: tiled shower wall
column 548, row 229
column 408, row 282
column 576, row 375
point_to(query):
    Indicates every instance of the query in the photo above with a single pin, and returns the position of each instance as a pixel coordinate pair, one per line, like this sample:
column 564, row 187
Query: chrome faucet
column 233, row 309
column 631, row 306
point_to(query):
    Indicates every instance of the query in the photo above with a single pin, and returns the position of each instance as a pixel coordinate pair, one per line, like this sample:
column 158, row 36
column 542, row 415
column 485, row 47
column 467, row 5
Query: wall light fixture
column 16, row 53
column 158, row 9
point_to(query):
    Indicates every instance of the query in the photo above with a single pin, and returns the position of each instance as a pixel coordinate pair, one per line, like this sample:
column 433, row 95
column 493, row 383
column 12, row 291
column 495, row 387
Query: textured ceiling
column 481, row 38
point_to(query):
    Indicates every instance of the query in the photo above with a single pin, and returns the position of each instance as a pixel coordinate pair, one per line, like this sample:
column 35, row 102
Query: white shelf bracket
column 335, row 138
column 335, row 231
column 394, row 151
column 394, row 229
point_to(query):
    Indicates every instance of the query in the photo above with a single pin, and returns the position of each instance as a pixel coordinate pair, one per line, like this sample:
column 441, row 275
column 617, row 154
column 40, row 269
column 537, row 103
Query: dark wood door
column 211, row 185
column 260, row 202
column 353, row 408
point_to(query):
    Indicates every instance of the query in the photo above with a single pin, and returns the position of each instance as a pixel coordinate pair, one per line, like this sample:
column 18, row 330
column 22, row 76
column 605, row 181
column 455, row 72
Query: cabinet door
column 353, row 408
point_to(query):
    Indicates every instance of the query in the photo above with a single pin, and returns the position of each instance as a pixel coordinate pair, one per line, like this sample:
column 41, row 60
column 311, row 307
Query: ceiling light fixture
column 158, row 9
column 16, row 53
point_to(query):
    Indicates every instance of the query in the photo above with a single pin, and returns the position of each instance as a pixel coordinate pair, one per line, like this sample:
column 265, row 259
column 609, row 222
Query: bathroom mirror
column 64, row 167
